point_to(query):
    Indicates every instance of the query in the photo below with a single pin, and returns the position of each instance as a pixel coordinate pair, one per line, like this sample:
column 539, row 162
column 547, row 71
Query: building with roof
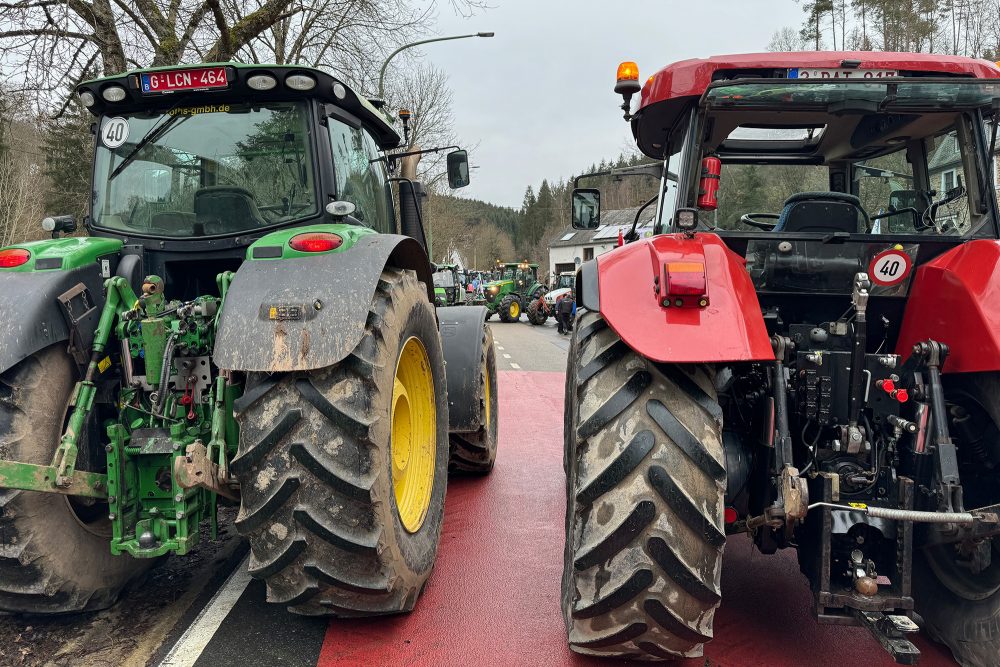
column 572, row 247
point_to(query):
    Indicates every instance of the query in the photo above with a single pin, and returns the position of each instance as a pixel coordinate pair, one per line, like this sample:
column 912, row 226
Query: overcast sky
column 538, row 97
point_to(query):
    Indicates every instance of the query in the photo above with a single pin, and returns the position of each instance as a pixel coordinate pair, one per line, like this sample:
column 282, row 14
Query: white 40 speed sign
column 115, row 132
column 890, row 267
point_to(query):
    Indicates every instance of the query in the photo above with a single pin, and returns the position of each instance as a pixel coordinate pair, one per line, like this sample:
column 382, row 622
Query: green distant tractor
column 516, row 286
column 448, row 290
column 248, row 322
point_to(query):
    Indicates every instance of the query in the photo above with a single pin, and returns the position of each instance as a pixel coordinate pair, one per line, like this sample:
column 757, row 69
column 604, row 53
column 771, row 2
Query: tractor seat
column 823, row 212
column 226, row 208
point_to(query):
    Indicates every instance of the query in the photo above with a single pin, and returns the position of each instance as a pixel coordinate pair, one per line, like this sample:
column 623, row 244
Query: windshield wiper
column 154, row 133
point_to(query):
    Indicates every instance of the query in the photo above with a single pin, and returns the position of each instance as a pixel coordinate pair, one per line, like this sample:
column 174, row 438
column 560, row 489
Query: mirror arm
column 635, row 223
column 392, row 157
column 652, row 169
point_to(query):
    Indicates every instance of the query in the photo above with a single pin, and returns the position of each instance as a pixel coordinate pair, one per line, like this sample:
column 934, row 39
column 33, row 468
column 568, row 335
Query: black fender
column 310, row 312
column 462, row 340
column 587, row 289
column 31, row 317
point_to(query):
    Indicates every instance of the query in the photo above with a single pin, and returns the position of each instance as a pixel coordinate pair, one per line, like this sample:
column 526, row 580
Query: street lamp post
column 381, row 72
column 381, row 86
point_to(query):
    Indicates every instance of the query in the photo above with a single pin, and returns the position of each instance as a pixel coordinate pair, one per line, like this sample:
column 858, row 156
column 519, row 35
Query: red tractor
column 806, row 353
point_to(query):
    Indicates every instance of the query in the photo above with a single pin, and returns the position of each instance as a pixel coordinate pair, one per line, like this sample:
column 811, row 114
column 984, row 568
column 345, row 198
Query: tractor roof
column 237, row 91
column 668, row 92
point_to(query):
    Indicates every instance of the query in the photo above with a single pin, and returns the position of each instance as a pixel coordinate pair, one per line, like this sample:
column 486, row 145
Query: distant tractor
column 540, row 308
column 805, row 355
column 247, row 321
column 516, row 286
column 448, row 289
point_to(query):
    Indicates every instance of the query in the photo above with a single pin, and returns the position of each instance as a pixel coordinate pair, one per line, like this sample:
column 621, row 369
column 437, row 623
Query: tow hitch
column 891, row 630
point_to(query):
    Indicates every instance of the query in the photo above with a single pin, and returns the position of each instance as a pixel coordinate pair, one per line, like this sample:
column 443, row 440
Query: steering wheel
column 752, row 220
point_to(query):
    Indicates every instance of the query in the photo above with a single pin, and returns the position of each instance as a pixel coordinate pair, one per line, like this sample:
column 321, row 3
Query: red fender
column 955, row 299
column 730, row 328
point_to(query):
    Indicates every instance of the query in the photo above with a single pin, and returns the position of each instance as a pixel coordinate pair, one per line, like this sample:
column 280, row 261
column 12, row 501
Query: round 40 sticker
column 115, row 132
column 889, row 267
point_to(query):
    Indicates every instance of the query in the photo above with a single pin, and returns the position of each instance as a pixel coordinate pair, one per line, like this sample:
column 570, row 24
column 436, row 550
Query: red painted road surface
column 494, row 596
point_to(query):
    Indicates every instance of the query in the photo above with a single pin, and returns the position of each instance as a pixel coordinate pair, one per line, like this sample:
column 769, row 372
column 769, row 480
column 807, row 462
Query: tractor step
column 891, row 630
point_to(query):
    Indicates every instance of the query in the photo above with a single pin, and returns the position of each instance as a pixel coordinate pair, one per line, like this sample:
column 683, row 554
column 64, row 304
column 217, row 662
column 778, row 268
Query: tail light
column 708, row 194
column 684, row 284
column 315, row 242
column 12, row 257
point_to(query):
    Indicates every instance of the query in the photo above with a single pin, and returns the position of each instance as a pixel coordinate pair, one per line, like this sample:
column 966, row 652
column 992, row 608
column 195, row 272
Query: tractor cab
column 208, row 159
column 561, row 286
column 812, row 168
column 447, row 285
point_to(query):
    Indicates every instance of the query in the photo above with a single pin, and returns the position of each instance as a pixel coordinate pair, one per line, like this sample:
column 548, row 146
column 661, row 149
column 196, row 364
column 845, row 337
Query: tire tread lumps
column 644, row 501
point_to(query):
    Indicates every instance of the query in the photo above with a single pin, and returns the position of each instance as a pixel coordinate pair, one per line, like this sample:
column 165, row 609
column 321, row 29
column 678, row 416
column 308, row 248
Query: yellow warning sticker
column 858, row 506
column 104, row 364
column 273, row 313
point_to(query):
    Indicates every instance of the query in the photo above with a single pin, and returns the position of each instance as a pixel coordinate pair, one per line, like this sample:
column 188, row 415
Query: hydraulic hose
column 915, row 516
column 161, row 392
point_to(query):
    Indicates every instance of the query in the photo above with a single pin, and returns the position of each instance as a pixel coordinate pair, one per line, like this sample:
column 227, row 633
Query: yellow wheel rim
column 414, row 434
column 515, row 310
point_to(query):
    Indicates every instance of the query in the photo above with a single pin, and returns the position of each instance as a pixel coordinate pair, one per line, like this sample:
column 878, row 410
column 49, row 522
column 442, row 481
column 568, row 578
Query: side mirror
column 458, row 169
column 586, row 208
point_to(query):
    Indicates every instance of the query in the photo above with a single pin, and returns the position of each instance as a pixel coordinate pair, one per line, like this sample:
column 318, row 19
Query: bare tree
column 48, row 46
column 786, row 39
column 20, row 173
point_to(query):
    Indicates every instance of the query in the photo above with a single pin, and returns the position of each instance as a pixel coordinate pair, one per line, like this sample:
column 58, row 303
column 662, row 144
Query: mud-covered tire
column 505, row 308
column 645, row 494
column 52, row 560
column 476, row 451
column 961, row 609
column 536, row 314
column 315, row 466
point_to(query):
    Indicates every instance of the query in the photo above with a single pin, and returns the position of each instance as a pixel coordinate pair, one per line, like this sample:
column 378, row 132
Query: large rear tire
column 476, row 452
column 961, row 607
column 343, row 470
column 537, row 314
column 644, row 507
column 55, row 554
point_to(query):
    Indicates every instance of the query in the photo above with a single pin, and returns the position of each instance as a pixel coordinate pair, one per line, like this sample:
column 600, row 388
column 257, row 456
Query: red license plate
column 184, row 79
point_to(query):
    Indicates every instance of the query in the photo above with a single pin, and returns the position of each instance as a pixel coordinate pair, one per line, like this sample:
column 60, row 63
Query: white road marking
column 189, row 647
column 506, row 356
column 515, row 366
column 499, row 346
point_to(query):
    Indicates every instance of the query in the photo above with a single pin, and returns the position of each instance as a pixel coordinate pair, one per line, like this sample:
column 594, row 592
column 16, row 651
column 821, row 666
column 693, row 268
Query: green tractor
column 448, row 289
column 516, row 285
column 247, row 323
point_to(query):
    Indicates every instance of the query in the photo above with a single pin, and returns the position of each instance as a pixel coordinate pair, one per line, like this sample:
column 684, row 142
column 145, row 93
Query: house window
column 947, row 180
column 588, row 254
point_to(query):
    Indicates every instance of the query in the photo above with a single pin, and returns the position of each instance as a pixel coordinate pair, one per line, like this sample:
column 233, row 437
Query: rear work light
column 12, row 257
column 315, row 242
column 684, row 285
column 300, row 82
column 262, row 82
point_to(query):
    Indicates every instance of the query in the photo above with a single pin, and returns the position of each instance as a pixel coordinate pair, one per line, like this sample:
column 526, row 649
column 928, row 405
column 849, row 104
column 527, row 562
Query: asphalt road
column 523, row 347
